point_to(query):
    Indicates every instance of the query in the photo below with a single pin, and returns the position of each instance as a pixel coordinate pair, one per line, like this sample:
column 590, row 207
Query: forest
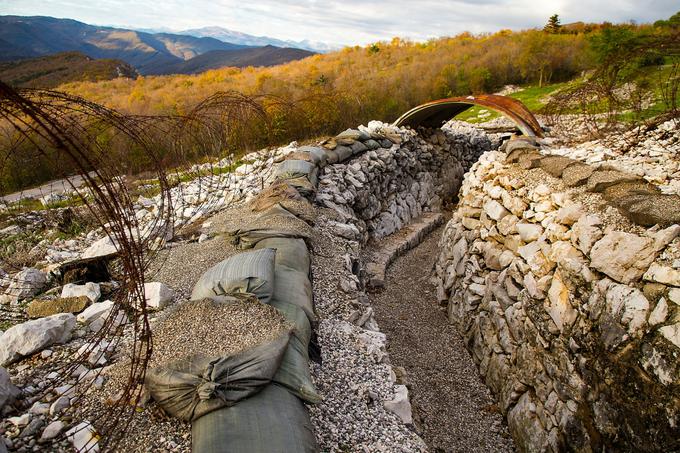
column 326, row 93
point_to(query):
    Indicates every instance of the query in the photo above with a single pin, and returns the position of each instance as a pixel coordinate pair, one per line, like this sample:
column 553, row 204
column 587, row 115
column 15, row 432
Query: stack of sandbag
column 227, row 416
column 274, row 222
column 273, row 270
column 276, row 272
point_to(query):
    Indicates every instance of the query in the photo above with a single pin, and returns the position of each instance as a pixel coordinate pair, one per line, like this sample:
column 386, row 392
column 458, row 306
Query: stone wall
column 381, row 190
column 569, row 300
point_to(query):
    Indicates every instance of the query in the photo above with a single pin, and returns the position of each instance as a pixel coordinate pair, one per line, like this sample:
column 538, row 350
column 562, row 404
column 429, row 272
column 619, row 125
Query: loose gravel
column 215, row 329
column 355, row 377
column 453, row 409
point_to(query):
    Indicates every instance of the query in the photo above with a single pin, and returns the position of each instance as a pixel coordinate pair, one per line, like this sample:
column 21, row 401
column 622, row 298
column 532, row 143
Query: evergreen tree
column 553, row 25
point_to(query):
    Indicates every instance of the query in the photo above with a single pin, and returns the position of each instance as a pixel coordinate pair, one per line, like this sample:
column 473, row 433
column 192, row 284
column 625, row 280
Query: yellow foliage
column 379, row 81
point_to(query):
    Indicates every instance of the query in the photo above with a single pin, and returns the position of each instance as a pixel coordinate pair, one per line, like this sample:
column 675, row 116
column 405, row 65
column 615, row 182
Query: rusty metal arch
column 436, row 113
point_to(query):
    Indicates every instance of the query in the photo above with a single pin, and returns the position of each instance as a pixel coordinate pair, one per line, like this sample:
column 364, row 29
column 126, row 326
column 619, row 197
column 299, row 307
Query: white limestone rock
column 345, row 230
column 628, row 305
column 400, row 405
column 659, row 314
column 158, row 295
column 513, row 204
column 557, row 304
column 663, row 274
column 570, row 214
column 674, row 295
column 587, row 232
column 52, row 430
column 623, row 256
column 495, row 210
column 89, row 289
column 32, row 336
column 529, row 231
column 84, row 438
column 26, row 283
column 60, row 404
column 95, row 311
column 672, row 333
column 533, row 254
column 20, row 420
column 102, row 247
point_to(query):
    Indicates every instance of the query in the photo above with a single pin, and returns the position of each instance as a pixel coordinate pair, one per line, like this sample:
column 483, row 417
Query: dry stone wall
column 394, row 180
column 563, row 279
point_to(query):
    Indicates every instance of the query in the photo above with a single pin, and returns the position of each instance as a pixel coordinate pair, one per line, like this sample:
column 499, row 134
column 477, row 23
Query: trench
column 453, row 410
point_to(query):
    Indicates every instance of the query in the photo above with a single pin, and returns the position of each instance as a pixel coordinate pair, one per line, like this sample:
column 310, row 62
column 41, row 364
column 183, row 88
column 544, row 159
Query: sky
column 344, row 22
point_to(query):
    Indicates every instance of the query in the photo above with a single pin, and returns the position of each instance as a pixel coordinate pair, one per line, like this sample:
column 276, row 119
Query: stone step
column 382, row 253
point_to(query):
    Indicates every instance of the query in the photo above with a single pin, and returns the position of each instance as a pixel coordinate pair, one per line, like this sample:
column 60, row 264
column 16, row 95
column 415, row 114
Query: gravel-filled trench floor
column 452, row 408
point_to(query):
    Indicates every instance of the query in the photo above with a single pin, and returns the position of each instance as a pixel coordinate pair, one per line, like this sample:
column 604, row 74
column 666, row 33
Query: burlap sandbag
column 275, row 222
column 197, row 385
column 293, row 373
column 290, row 252
column 273, row 421
column 248, row 272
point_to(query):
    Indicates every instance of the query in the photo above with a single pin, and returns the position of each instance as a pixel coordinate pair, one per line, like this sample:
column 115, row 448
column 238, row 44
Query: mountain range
column 236, row 37
column 150, row 53
column 252, row 56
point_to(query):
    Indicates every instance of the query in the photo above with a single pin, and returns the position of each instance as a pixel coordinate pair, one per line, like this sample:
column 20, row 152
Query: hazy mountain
column 237, row 37
column 26, row 37
column 257, row 56
column 53, row 70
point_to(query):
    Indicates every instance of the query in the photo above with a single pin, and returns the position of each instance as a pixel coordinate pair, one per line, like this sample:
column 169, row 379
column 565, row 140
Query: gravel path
column 453, row 410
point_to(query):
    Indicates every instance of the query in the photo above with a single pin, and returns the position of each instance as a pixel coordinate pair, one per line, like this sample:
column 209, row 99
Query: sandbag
column 293, row 286
column 290, row 169
column 249, row 272
column 293, row 373
column 318, row 154
column 303, row 186
column 197, row 385
column 278, row 192
column 290, row 252
column 275, row 222
column 344, row 152
column 332, row 157
column 301, row 155
column 246, row 239
column 273, row 421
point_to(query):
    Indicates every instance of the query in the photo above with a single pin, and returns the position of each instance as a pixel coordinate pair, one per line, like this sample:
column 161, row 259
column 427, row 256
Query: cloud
column 343, row 22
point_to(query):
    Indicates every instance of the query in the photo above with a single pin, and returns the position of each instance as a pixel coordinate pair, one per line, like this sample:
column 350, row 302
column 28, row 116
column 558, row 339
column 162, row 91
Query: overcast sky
column 345, row 22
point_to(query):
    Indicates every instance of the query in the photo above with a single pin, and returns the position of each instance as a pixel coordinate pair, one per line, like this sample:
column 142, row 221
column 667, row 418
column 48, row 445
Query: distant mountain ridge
column 35, row 36
column 53, row 70
column 258, row 56
column 236, row 37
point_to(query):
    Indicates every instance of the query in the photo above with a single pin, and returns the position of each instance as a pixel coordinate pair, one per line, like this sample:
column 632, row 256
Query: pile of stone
column 653, row 155
column 60, row 338
column 382, row 190
column 564, row 280
column 191, row 201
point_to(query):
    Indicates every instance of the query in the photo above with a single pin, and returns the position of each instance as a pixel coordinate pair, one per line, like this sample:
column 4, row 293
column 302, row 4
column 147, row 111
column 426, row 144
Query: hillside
column 381, row 81
column 54, row 70
column 260, row 56
column 28, row 37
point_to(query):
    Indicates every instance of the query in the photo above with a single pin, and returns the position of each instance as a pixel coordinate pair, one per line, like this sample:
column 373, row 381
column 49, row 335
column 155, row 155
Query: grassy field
column 534, row 97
